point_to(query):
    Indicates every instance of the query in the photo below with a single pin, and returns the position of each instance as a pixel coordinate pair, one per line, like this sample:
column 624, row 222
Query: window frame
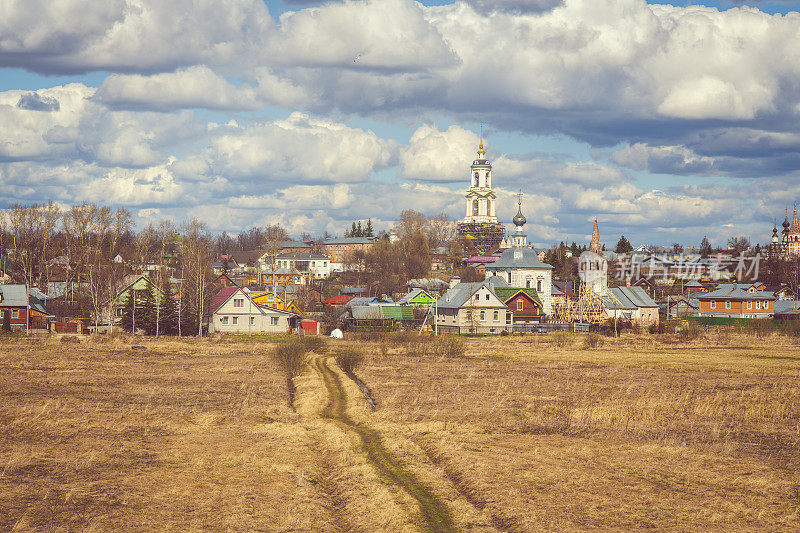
column 520, row 305
column 241, row 301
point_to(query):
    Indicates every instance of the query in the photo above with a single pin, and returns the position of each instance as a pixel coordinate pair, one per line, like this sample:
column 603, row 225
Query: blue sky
column 666, row 123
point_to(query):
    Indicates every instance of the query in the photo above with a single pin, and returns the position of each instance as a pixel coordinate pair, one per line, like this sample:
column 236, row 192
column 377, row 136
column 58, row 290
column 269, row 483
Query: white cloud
column 435, row 155
column 361, row 34
column 299, row 148
column 195, row 86
column 131, row 35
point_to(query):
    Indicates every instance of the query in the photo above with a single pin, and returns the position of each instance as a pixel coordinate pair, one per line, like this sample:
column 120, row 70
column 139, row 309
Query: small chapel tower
column 480, row 197
column 519, row 238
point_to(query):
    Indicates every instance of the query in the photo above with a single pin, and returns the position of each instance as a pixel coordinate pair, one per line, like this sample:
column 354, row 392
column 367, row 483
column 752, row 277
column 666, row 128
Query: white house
column 472, row 308
column 233, row 311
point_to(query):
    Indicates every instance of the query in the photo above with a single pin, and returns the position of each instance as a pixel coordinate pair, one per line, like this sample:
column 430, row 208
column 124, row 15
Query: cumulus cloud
column 37, row 102
column 362, row 34
column 193, row 87
column 299, row 147
column 131, row 35
column 436, row 155
column 514, row 6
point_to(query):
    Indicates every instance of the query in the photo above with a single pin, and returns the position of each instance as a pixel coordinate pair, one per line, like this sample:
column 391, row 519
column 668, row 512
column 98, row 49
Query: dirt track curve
column 434, row 512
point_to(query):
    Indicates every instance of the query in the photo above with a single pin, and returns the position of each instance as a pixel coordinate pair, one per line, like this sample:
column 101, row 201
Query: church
column 788, row 244
column 480, row 225
column 519, row 266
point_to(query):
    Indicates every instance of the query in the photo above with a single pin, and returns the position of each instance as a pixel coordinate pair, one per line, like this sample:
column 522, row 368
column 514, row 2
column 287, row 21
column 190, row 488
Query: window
column 528, row 284
column 749, row 305
column 487, row 296
column 713, row 304
column 539, row 285
column 273, row 321
column 758, row 305
column 236, row 321
column 496, row 316
column 475, row 207
column 224, row 321
column 238, row 302
column 476, row 179
column 483, row 316
column 727, row 305
column 520, row 304
column 252, row 321
column 15, row 313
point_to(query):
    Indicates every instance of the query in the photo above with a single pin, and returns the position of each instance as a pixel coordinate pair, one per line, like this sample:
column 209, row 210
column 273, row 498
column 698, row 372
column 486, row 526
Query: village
column 426, row 274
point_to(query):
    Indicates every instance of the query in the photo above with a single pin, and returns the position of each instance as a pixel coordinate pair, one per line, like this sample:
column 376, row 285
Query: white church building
column 519, row 266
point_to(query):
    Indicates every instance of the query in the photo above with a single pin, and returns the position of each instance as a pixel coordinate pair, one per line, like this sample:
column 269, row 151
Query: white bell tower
column 480, row 196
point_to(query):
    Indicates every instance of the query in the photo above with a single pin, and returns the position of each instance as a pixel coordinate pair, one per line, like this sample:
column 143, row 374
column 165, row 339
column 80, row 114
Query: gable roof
column 13, row 296
column 630, row 298
column 338, row 299
column 735, row 291
column 414, row 293
column 222, row 296
column 458, row 295
column 519, row 257
column 506, row 294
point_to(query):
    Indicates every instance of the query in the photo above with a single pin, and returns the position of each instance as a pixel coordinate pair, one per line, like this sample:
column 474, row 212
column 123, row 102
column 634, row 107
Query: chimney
column 455, row 280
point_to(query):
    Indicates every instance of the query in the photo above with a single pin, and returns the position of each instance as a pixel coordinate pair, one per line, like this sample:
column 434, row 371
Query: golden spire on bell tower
column 481, row 151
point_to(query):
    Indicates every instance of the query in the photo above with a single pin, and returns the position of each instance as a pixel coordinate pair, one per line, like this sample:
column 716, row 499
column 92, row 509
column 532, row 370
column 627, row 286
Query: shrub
column 314, row 343
column 690, row 330
column 504, row 333
column 448, row 346
column 70, row 339
column 290, row 357
column 792, row 328
column 592, row 341
column 760, row 327
column 561, row 339
column 417, row 347
column 349, row 359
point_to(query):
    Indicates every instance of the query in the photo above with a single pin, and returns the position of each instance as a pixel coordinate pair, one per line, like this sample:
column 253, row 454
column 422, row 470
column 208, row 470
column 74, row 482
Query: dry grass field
column 521, row 433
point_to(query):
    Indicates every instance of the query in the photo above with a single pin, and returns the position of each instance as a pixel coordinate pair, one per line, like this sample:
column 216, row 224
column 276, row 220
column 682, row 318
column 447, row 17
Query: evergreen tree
column 705, row 247
column 130, row 311
column 368, row 230
column 623, row 246
column 168, row 319
column 574, row 249
column 147, row 316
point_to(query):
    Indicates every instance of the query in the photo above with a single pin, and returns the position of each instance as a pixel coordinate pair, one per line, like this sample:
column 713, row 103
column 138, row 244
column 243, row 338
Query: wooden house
column 472, row 308
column 417, row 297
column 523, row 303
column 737, row 300
column 23, row 308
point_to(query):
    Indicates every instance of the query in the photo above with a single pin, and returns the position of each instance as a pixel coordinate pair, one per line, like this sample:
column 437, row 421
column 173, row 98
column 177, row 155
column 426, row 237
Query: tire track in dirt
column 434, row 512
column 468, row 492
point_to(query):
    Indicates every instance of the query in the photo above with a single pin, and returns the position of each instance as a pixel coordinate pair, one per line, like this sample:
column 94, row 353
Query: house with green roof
column 524, row 303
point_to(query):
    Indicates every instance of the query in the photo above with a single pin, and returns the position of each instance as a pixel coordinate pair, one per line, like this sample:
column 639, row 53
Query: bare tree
column 274, row 236
column 164, row 233
column 195, row 261
column 440, row 230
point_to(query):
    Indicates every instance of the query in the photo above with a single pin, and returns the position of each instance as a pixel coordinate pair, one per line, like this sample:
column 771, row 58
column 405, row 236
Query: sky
column 665, row 122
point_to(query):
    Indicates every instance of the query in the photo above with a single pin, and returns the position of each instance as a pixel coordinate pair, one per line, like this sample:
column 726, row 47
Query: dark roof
column 247, row 258
column 353, row 290
column 519, row 257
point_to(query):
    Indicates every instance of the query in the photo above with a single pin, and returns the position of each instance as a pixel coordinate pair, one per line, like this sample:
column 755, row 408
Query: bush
column 690, row 330
column 504, row 333
column 70, row 339
column 349, row 359
column 314, row 343
column 448, row 346
column 760, row 327
column 792, row 328
column 562, row 339
column 290, row 357
column 592, row 341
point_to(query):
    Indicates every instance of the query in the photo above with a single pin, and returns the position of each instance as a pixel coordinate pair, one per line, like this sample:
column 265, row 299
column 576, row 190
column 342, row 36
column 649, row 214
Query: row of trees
column 83, row 253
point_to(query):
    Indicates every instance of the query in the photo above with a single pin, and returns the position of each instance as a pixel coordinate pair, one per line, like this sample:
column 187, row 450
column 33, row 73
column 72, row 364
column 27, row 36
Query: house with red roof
column 338, row 300
column 232, row 310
